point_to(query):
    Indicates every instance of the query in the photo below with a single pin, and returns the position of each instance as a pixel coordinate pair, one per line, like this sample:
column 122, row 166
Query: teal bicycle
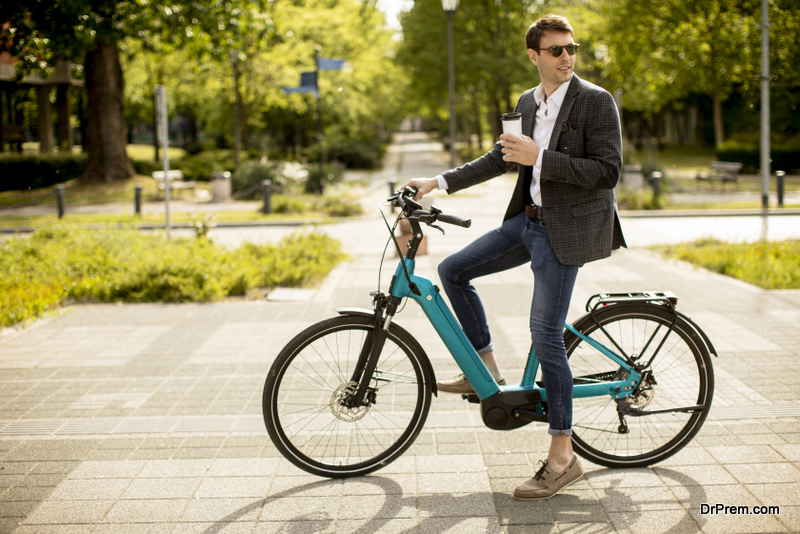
column 349, row 395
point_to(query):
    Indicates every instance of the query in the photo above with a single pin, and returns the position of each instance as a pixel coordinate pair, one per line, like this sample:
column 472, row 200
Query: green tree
column 490, row 60
column 662, row 50
column 42, row 32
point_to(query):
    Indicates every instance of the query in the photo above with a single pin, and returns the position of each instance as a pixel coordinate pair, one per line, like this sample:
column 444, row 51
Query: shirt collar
column 557, row 97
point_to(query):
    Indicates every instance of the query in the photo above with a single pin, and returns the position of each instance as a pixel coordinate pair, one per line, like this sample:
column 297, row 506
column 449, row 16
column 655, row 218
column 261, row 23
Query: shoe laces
column 542, row 470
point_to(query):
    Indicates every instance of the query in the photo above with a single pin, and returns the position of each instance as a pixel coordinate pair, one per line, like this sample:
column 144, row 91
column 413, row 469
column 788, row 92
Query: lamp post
column 450, row 7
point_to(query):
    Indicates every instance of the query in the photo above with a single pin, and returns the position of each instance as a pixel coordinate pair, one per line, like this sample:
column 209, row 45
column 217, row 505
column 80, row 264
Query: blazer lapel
column 566, row 109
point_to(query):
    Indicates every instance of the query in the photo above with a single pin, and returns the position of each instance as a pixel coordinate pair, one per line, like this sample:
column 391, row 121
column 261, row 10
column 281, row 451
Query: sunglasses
column 572, row 49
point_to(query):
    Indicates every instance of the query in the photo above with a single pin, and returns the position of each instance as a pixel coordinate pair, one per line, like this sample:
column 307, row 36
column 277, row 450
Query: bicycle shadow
column 394, row 507
column 630, row 505
column 440, row 512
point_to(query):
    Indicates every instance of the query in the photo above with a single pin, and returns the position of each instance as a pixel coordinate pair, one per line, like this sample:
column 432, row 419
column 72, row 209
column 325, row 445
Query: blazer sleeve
column 590, row 155
column 492, row 163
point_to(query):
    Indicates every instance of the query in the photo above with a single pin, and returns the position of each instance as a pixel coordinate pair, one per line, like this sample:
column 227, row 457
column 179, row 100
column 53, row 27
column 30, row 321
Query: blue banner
column 308, row 84
column 330, row 64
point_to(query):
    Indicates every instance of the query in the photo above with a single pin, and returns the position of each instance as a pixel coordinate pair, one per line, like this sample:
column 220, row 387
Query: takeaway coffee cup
column 512, row 123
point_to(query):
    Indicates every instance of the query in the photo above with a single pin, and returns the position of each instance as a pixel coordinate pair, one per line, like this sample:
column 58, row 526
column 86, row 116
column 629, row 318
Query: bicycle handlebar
column 452, row 219
column 404, row 199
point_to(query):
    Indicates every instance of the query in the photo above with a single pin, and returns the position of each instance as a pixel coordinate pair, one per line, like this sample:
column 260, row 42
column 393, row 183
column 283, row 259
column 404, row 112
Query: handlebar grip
column 452, row 219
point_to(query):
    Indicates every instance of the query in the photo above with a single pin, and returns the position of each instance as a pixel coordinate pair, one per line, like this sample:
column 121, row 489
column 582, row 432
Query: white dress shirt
column 546, row 115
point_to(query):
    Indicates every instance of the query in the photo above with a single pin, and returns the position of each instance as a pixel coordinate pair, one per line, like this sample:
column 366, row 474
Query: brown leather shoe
column 460, row 385
column 546, row 483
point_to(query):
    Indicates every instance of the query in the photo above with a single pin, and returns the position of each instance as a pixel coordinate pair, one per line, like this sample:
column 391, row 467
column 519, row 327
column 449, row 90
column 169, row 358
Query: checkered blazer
column 579, row 171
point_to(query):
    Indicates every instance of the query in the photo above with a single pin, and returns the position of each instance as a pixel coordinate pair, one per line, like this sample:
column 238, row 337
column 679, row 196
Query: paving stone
column 161, row 488
column 452, row 482
column 146, row 511
column 126, row 469
column 376, row 525
column 229, row 487
column 175, row 468
column 734, row 524
column 69, row 512
column 673, row 521
column 83, row 489
column 378, row 506
column 457, row 525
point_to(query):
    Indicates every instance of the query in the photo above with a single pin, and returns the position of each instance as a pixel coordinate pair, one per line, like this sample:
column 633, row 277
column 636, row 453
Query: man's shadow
column 506, row 509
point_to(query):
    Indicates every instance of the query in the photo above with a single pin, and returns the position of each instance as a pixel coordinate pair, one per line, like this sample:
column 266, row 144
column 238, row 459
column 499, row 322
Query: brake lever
column 437, row 227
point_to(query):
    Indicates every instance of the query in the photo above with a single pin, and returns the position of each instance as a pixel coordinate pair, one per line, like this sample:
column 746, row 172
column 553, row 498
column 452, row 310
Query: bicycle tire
column 319, row 435
column 683, row 375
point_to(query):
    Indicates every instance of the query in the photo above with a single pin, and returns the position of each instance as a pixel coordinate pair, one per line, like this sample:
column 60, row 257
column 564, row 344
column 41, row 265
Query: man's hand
column 520, row 150
column 422, row 185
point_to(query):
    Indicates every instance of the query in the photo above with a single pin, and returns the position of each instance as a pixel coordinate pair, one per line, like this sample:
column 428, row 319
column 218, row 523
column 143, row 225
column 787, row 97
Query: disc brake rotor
column 339, row 407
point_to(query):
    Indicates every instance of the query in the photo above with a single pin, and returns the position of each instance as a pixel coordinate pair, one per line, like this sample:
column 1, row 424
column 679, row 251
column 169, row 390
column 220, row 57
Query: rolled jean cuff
column 557, row 432
column 488, row 348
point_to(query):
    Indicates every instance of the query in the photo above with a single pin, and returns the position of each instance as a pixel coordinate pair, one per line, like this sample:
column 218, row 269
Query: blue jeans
column 518, row 241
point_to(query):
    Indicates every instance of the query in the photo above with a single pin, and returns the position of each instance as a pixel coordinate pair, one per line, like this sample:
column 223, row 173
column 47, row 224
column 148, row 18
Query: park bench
column 724, row 171
column 175, row 180
column 13, row 135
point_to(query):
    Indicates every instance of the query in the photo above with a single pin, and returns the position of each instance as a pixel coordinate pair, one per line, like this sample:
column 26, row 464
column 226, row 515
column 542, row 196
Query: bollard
column 392, row 185
column 60, row 200
column 656, row 177
column 779, row 176
column 137, row 200
column 266, row 192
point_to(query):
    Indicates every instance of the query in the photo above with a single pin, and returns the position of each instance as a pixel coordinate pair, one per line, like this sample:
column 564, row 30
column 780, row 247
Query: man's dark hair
column 548, row 23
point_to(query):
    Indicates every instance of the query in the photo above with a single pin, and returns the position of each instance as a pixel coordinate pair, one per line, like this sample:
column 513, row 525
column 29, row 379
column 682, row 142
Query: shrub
column 59, row 263
column 146, row 167
column 331, row 174
column 774, row 265
column 638, row 199
column 288, row 204
column 353, row 153
column 246, row 181
column 200, row 166
column 33, row 171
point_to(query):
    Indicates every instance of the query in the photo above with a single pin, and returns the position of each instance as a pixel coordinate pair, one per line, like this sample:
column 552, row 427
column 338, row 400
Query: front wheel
column 305, row 399
column 680, row 377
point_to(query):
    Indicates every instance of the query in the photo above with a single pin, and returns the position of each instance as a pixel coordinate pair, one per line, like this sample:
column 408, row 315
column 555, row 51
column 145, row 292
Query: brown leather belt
column 534, row 212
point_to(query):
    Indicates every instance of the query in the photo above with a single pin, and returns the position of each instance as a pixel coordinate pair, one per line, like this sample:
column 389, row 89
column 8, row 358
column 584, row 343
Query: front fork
column 385, row 308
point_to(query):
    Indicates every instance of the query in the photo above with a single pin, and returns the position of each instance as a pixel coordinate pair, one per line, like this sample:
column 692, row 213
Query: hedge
column 19, row 172
column 784, row 158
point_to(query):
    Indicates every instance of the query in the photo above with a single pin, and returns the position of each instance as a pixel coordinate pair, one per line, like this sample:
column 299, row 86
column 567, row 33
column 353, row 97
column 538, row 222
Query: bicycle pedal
column 473, row 398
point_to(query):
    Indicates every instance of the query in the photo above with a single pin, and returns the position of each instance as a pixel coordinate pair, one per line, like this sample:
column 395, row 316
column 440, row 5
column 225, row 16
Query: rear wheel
column 679, row 377
column 306, row 407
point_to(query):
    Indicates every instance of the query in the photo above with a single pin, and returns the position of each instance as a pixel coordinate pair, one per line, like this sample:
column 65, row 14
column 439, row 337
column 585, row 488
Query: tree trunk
column 105, row 126
column 719, row 129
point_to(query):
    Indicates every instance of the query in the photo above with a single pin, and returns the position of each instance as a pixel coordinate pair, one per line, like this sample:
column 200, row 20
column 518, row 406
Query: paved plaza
column 147, row 418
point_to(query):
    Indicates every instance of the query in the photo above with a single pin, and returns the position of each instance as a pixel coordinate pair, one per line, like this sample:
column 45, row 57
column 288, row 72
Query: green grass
column 128, row 219
column 62, row 264
column 688, row 158
column 725, row 205
column 771, row 265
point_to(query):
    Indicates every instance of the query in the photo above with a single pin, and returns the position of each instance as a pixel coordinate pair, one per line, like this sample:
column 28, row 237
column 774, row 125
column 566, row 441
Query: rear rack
column 667, row 298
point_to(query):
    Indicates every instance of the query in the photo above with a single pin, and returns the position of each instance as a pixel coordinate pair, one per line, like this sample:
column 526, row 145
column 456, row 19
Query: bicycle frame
column 439, row 314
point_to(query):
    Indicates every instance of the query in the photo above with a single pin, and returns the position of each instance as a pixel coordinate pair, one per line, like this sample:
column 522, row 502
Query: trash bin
column 220, row 186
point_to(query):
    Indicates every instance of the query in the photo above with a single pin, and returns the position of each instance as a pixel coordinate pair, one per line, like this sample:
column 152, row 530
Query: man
column 562, row 214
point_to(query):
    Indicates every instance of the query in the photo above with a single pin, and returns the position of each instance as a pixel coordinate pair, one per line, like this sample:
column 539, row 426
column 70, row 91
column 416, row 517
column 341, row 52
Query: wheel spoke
column 683, row 378
column 308, row 400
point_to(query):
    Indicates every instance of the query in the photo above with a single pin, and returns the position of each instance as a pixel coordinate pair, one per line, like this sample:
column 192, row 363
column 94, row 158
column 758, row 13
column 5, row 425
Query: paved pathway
column 146, row 418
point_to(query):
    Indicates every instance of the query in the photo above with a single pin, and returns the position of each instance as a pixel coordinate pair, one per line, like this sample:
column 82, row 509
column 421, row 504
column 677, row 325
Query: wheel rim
column 680, row 379
column 308, row 402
